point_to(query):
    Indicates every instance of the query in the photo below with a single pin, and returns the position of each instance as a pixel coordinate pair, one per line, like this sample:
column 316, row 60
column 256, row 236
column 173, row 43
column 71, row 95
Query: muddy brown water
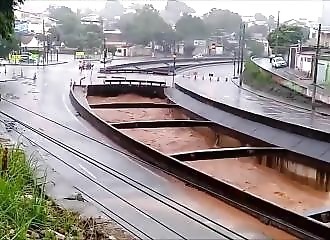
column 248, row 175
column 244, row 173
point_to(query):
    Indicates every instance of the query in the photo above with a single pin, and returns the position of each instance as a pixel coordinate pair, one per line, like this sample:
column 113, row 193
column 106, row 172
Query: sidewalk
column 229, row 93
column 296, row 81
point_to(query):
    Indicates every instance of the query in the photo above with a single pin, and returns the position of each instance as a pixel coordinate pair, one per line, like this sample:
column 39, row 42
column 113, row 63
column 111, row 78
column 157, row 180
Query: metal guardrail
column 224, row 153
column 150, row 91
column 133, row 82
column 296, row 224
column 167, row 61
column 133, row 105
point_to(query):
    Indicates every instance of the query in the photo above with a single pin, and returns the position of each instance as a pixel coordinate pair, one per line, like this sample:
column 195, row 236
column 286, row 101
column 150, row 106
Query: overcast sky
column 310, row 9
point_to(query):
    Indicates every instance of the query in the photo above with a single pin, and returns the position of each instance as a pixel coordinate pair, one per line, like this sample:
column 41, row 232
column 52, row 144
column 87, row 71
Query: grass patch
column 261, row 80
column 27, row 213
column 253, row 75
column 25, row 210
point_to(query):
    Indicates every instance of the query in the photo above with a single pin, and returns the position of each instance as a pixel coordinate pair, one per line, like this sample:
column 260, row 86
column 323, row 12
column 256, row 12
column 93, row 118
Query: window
column 309, row 60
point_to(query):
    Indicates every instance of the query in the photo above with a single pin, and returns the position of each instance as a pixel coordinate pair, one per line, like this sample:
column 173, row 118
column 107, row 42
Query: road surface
column 48, row 95
column 229, row 93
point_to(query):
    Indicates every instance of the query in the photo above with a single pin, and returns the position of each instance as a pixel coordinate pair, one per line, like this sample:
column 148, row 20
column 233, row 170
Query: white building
column 91, row 19
column 304, row 63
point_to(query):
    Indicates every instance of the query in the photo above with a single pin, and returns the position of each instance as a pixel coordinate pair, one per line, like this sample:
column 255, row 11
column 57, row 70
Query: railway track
column 188, row 215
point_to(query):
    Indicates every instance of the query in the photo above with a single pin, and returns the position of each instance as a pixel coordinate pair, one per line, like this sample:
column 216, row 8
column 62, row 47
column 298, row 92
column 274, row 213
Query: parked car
column 274, row 56
column 198, row 56
column 278, row 62
column 3, row 62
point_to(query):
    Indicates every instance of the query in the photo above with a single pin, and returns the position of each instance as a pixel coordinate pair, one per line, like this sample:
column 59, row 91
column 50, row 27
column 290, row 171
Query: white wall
column 304, row 63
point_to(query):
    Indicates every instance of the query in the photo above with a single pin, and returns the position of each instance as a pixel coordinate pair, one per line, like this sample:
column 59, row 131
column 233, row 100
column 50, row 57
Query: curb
column 260, row 94
column 319, row 97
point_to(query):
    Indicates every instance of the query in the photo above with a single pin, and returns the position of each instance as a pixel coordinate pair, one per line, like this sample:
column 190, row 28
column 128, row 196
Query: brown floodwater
column 248, row 175
column 172, row 140
column 134, row 114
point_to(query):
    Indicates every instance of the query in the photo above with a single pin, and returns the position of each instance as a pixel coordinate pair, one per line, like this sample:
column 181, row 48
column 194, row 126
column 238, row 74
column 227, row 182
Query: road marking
column 69, row 111
column 86, row 170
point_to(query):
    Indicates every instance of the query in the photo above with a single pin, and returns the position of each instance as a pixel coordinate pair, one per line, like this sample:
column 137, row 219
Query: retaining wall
column 293, row 85
column 244, row 201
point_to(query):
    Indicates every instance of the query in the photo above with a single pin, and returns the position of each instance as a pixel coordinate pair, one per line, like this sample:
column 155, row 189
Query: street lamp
column 174, row 57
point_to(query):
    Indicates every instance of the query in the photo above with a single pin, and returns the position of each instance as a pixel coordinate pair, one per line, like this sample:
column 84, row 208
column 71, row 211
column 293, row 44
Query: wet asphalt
column 229, row 93
column 48, row 95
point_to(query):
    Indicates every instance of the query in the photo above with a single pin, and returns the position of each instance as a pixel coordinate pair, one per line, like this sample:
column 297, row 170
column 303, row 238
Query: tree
column 188, row 49
column 7, row 17
column 261, row 29
column 125, row 20
column 224, row 20
column 68, row 21
column 260, row 17
column 113, row 50
column 271, row 22
column 287, row 35
column 145, row 26
column 174, row 9
column 191, row 28
column 7, row 46
column 112, row 9
column 72, row 32
column 257, row 48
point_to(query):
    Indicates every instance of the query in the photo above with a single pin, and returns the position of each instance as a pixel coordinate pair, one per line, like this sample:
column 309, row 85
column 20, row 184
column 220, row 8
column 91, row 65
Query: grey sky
column 310, row 9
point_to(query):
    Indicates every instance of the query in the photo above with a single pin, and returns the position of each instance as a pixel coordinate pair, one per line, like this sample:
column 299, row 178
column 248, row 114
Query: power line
column 93, row 161
column 100, row 185
column 53, row 155
column 224, row 198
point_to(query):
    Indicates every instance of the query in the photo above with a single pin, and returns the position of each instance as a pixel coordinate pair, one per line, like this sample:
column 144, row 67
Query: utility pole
column 242, row 54
column 174, row 58
column 317, row 53
column 47, row 48
column 43, row 42
column 277, row 30
column 239, row 48
column 104, row 45
column 234, row 63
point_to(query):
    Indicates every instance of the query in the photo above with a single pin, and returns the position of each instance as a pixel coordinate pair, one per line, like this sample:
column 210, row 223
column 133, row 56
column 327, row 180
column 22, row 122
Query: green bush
column 254, row 74
column 24, row 208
